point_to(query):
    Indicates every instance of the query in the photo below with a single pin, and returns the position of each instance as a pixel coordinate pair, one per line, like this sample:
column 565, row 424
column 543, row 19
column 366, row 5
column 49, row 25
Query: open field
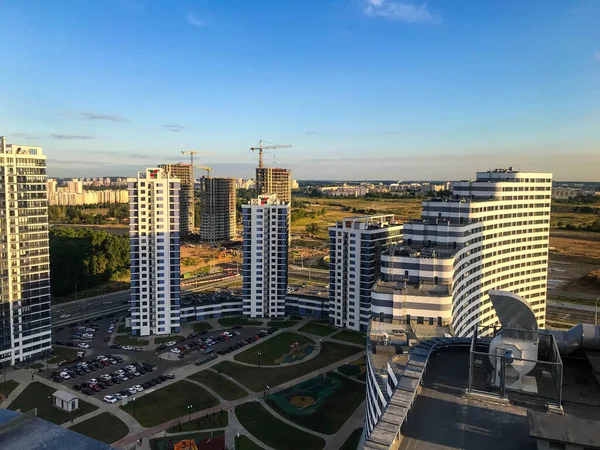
column 8, row 387
column 165, row 339
column 231, row 321
column 282, row 323
column 163, row 443
column 353, row 337
column 103, row 427
column 244, row 443
column 199, row 259
column 333, row 411
column 320, row 329
column 39, row 395
column 272, row 349
column 130, row 340
column 169, row 403
column 221, row 385
column 272, row 431
column 62, row 354
column 576, row 243
column 218, row 419
column 257, row 379
column 201, row 326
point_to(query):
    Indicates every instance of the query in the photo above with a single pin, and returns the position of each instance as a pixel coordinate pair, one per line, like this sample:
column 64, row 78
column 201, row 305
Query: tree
column 560, row 224
column 312, row 228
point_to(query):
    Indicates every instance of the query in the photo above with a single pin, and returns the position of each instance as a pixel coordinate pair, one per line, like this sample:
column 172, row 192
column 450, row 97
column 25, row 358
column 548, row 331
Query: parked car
column 161, row 347
column 176, row 351
column 84, row 345
column 110, row 399
column 170, row 376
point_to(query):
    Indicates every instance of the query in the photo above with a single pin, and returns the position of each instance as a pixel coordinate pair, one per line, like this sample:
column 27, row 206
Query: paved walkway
column 356, row 420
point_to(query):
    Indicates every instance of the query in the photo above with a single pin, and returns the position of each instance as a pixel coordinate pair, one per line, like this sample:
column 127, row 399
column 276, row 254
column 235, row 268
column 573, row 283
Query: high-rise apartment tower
column 185, row 173
column 154, row 237
column 24, row 254
column 492, row 235
column 217, row 209
column 265, row 251
column 355, row 246
column 273, row 180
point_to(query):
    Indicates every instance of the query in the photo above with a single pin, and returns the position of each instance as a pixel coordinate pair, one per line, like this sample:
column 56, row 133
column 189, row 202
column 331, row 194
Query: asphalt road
column 163, row 364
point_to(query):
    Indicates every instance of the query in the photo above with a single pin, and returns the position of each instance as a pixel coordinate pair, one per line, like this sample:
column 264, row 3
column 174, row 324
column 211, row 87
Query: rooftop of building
column 420, row 251
column 422, row 289
column 368, row 222
column 27, row 431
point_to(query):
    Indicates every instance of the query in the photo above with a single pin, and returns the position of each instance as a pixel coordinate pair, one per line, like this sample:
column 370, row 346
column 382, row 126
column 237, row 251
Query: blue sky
column 363, row 89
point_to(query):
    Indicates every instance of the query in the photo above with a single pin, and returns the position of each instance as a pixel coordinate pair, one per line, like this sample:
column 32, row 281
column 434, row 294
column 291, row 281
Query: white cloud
column 597, row 56
column 195, row 20
column 400, row 10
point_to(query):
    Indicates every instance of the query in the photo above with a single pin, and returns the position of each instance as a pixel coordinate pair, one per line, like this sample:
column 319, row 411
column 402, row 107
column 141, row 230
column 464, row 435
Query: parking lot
column 159, row 359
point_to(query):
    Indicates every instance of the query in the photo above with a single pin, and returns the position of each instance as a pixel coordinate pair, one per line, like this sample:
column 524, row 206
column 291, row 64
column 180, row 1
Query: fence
column 519, row 379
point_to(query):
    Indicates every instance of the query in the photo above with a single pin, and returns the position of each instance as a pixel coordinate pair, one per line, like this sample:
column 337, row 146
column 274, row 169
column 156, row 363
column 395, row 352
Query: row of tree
column 81, row 214
column 84, row 258
column 594, row 226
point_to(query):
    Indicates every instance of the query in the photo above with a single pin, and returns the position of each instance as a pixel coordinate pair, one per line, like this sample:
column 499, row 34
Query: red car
column 95, row 387
column 105, row 362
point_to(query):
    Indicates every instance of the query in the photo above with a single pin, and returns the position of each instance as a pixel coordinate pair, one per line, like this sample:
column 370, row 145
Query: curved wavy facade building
column 492, row 234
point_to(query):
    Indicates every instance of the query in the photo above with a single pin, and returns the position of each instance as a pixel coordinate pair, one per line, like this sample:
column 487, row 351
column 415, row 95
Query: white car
column 127, row 347
column 123, row 377
column 105, row 376
column 170, row 343
column 93, row 381
column 132, row 390
column 65, row 316
column 100, row 358
column 176, row 351
column 118, row 396
column 84, row 345
column 119, row 372
column 138, row 388
column 110, row 399
column 65, row 375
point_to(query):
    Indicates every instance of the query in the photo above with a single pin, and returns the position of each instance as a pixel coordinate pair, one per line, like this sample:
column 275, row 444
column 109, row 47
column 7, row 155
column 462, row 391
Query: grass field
column 320, row 329
column 165, row 339
column 334, row 410
column 169, row 403
column 221, row 385
column 282, row 323
column 215, row 420
column 352, row 442
column 244, row 443
column 272, row 431
column 8, row 387
column 62, row 354
column 163, row 443
column 104, row 427
column 38, row 395
column 272, row 349
column 257, row 379
column 201, row 326
column 353, row 337
column 231, row 321
column 121, row 329
column 130, row 340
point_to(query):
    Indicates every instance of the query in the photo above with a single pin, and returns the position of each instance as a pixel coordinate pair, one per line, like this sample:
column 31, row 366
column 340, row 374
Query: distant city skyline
column 362, row 89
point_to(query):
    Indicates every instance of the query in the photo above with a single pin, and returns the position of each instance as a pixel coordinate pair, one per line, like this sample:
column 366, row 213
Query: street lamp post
column 237, row 441
column 596, row 316
column 189, row 408
column 259, row 355
column 133, row 400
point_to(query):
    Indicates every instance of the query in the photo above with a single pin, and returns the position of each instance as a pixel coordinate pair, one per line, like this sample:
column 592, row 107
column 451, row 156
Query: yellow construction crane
column 194, row 152
column 208, row 170
column 262, row 147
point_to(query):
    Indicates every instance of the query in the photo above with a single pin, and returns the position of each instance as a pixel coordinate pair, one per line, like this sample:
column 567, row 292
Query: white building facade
column 25, row 318
column 493, row 234
column 155, row 257
column 266, row 222
column 355, row 246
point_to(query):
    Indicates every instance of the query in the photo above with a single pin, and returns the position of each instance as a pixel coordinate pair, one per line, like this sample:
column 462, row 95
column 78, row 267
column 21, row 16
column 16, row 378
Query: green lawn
column 130, row 340
column 201, row 326
column 169, row 403
column 231, row 321
column 244, row 443
column 36, row 366
column 123, row 329
column 38, row 395
column 272, row 431
column 282, row 323
column 63, row 353
column 164, row 339
column 163, row 443
column 317, row 328
column 256, row 379
column 353, row 337
column 352, row 441
column 221, row 385
column 272, row 349
column 216, row 420
column 333, row 411
column 104, row 427
column 8, row 387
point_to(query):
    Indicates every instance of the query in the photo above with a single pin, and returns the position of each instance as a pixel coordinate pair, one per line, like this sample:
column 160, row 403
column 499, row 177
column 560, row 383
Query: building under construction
column 185, row 173
column 217, row 209
column 272, row 180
